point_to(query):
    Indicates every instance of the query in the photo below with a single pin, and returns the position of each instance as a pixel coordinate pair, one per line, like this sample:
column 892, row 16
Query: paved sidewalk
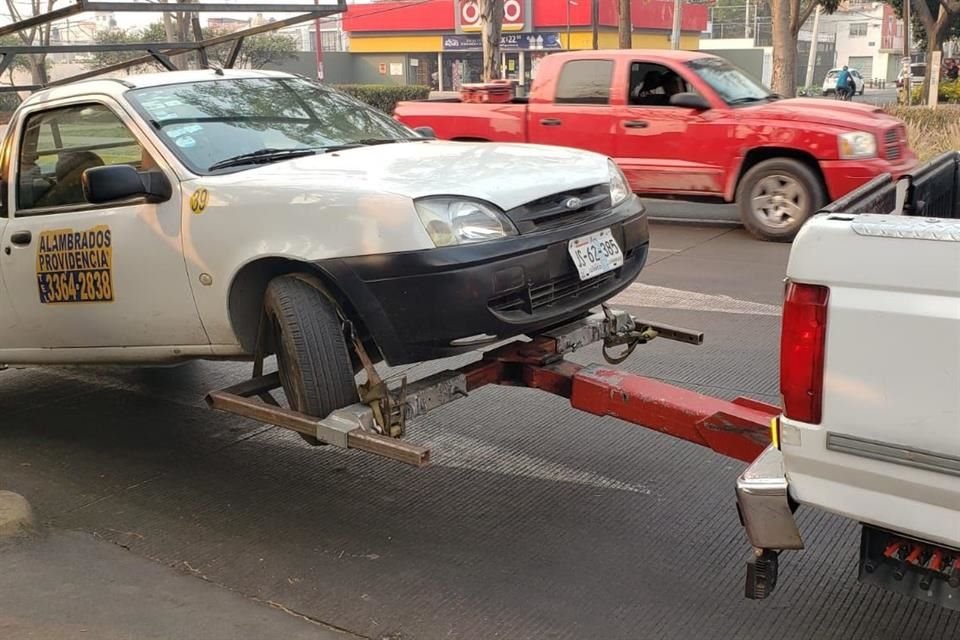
column 68, row 585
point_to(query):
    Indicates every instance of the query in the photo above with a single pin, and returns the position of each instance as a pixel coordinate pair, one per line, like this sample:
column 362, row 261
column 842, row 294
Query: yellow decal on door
column 198, row 201
column 75, row 266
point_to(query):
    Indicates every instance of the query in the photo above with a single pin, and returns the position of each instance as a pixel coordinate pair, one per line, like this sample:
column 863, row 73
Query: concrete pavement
column 533, row 522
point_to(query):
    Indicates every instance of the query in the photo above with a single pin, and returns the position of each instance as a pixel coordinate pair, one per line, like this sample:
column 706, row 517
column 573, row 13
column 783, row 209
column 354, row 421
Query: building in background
column 437, row 42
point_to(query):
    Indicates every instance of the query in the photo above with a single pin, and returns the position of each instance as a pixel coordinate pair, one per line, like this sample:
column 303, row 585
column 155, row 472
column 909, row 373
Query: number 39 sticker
column 75, row 266
column 198, row 201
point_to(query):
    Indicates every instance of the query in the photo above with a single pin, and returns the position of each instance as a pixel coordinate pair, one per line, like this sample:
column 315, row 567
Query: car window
column 732, row 85
column 654, row 84
column 585, row 82
column 60, row 144
column 209, row 121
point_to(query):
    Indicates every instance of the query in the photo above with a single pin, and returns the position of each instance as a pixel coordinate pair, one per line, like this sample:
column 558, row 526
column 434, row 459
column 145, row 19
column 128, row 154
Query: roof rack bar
column 234, row 53
column 163, row 59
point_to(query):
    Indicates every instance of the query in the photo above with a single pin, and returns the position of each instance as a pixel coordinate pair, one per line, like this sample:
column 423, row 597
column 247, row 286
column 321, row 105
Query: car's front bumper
column 763, row 499
column 428, row 304
column 843, row 176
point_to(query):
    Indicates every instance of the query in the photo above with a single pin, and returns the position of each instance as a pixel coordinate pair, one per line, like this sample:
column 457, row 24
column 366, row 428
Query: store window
column 585, row 82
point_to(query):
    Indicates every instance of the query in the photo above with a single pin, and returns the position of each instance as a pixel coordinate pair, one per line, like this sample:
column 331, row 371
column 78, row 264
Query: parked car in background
column 830, row 82
column 687, row 125
column 918, row 71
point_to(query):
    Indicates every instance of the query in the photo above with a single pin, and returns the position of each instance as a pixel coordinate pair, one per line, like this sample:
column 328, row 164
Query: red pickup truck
column 690, row 125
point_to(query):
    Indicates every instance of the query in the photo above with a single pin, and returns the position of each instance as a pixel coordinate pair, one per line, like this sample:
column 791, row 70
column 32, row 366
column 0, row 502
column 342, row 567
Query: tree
column 933, row 22
column 257, row 51
column 491, row 25
column 625, row 25
column 788, row 17
column 38, row 35
column 20, row 62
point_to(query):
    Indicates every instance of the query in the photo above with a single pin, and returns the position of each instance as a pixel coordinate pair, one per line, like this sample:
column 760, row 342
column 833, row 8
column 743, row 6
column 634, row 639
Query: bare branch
column 805, row 13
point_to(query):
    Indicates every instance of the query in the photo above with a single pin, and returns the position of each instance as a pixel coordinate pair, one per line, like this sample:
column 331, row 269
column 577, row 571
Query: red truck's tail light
column 802, row 345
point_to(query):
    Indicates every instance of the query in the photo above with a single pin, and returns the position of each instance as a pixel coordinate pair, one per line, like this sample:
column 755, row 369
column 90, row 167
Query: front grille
column 537, row 296
column 894, row 140
column 553, row 211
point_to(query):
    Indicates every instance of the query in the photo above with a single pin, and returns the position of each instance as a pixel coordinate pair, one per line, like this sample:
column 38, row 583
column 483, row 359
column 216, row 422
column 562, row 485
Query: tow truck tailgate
column 887, row 448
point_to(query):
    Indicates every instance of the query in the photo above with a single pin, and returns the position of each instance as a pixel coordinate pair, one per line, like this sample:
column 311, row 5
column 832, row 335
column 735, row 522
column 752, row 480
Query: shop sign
column 468, row 15
column 508, row 42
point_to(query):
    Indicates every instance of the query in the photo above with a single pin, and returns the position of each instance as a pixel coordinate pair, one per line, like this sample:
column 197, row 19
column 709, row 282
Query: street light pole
column 675, row 34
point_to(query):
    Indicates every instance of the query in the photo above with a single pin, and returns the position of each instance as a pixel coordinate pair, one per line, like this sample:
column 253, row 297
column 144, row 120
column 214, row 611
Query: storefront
column 437, row 42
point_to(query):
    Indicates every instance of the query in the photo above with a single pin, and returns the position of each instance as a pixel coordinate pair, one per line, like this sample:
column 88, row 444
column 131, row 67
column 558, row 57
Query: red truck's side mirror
column 689, row 101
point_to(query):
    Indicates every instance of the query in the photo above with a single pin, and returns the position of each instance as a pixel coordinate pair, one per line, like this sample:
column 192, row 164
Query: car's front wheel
column 776, row 197
column 313, row 358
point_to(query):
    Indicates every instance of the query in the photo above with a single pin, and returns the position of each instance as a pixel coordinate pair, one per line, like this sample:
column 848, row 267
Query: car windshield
column 209, row 122
column 732, row 84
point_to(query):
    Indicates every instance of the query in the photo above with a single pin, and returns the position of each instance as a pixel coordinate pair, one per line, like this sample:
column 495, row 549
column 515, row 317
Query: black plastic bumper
column 415, row 304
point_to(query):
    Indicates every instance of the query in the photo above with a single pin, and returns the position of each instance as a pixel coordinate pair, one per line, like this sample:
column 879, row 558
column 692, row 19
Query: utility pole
column 906, row 49
column 812, row 58
column 675, row 34
column 318, row 45
column 595, row 21
column 625, row 25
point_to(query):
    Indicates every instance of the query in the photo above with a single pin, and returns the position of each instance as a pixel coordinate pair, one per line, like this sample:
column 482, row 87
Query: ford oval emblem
column 573, row 203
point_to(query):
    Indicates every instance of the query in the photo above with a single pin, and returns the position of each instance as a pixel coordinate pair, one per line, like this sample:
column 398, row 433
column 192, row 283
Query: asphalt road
column 533, row 522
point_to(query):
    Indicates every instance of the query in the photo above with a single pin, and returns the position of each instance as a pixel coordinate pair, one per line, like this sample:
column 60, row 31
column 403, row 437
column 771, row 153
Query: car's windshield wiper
column 367, row 142
column 260, row 155
column 746, row 99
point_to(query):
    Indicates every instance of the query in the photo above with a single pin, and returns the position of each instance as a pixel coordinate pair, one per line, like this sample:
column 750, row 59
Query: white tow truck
column 870, row 380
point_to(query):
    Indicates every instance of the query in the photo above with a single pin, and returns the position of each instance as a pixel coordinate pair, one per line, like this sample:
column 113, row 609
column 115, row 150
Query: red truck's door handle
column 551, row 122
column 635, row 124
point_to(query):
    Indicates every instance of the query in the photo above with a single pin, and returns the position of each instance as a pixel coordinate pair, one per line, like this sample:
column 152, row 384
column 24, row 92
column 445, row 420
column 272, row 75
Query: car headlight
column 452, row 221
column 857, row 144
column 619, row 187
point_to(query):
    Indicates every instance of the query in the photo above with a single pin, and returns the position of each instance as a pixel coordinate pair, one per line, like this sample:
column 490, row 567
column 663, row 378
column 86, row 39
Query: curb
column 16, row 516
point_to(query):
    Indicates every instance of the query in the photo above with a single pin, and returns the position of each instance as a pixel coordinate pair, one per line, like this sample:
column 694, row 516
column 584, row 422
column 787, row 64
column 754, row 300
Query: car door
column 580, row 114
column 81, row 275
column 662, row 148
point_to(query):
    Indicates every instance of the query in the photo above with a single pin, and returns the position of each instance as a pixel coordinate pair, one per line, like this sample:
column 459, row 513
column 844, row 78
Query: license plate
column 595, row 254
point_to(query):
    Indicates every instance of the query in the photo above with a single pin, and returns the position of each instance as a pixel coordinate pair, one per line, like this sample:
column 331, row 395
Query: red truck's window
column 585, row 82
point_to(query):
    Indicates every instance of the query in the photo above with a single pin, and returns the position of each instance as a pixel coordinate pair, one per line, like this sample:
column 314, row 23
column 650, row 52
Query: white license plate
column 595, row 254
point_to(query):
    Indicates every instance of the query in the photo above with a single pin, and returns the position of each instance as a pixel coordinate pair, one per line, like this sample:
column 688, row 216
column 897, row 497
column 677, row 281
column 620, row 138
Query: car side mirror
column 102, row 185
column 689, row 101
column 426, row 132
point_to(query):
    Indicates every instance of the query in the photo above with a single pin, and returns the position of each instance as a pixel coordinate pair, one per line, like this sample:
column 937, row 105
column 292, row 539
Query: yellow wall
column 395, row 44
column 578, row 40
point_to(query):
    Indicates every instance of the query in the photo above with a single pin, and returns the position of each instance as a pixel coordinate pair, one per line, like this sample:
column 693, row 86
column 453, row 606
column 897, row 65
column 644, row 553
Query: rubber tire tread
column 315, row 363
column 798, row 170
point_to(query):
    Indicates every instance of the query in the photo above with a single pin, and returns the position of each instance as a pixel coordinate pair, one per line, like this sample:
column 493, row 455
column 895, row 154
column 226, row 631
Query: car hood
column 851, row 116
column 507, row 175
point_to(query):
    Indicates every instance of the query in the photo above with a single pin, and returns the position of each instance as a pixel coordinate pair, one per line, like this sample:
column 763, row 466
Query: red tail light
column 802, row 345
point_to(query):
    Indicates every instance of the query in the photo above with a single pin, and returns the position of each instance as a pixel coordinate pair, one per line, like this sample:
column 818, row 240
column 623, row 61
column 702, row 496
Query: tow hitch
column 738, row 429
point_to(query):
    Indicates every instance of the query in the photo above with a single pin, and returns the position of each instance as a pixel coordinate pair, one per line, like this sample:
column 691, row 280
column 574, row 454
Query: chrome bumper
column 764, row 504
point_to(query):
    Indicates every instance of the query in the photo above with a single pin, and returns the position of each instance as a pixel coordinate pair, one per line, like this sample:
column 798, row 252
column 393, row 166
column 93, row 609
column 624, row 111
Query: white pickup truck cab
column 217, row 214
column 870, row 378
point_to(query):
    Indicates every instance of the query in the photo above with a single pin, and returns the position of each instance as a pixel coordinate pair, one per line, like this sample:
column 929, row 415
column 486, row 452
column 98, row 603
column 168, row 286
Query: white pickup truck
column 232, row 214
column 870, row 379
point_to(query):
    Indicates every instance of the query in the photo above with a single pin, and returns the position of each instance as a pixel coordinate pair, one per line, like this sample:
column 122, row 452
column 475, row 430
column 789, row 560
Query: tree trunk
column 491, row 23
column 595, row 22
column 936, row 36
column 784, row 78
column 625, row 25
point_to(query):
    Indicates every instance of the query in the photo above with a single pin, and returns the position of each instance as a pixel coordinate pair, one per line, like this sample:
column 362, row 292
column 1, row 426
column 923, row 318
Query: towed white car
column 223, row 214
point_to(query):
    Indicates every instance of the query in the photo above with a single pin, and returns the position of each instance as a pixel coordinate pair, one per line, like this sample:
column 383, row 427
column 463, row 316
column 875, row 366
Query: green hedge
column 385, row 97
column 948, row 92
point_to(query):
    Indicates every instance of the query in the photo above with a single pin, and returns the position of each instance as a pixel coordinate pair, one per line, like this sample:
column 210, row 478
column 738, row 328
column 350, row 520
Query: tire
column 312, row 354
column 781, row 181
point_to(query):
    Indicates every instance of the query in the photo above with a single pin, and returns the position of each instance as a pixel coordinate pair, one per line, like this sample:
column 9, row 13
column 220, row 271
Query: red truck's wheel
column 312, row 355
column 776, row 197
